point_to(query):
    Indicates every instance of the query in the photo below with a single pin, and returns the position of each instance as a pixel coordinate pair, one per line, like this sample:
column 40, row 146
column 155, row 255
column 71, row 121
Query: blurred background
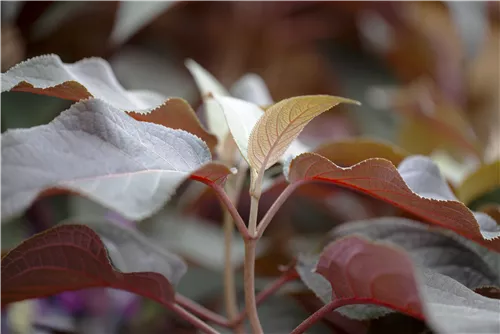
column 427, row 74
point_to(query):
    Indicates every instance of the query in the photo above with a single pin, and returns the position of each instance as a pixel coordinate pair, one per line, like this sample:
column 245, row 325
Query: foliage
column 119, row 200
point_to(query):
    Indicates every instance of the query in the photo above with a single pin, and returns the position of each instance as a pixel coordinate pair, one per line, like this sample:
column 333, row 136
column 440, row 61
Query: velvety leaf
column 208, row 87
column 102, row 153
column 282, row 123
column 71, row 257
column 131, row 251
column 176, row 113
column 241, row 117
column 384, row 275
column 483, row 180
column 92, row 77
column 132, row 16
column 417, row 186
column 429, row 248
column 349, row 152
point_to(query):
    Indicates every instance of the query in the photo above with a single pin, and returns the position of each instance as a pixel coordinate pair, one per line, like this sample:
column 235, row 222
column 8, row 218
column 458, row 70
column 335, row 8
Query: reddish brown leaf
column 71, row 257
column 364, row 272
column 357, row 268
column 380, row 178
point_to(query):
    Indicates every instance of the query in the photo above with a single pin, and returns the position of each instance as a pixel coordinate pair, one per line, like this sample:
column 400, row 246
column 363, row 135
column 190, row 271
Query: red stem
column 196, row 322
column 201, row 311
column 330, row 307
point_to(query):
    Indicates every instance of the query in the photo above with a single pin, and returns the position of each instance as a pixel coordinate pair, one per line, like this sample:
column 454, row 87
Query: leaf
column 384, row 275
column 176, row 113
column 241, row 116
column 130, row 250
column 132, row 16
column 92, row 77
column 197, row 241
column 349, row 152
column 429, row 248
column 483, row 180
column 416, row 187
column 209, row 86
column 282, row 123
column 434, row 249
column 252, row 88
column 71, row 257
column 100, row 152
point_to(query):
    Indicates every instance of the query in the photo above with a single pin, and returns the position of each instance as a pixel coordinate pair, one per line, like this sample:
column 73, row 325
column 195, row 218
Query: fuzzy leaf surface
column 102, row 153
column 71, row 257
column 416, row 186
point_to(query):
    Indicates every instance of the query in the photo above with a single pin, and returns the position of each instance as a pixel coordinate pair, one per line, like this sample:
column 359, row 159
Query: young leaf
column 349, row 152
column 384, row 275
column 282, row 123
column 71, row 257
column 483, row 180
column 417, row 187
column 176, row 113
column 241, row 117
column 131, row 251
column 100, row 152
column 208, row 87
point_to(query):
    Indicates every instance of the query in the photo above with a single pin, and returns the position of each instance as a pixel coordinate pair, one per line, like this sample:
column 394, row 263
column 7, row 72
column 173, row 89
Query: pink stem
column 264, row 223
column 201, row 311
column 196, row 322
column 330, row 307
column 240, row 224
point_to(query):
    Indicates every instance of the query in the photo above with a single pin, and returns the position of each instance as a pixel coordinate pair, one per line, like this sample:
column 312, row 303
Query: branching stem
column 264, row 223
column 201, row 311
column 330, row 307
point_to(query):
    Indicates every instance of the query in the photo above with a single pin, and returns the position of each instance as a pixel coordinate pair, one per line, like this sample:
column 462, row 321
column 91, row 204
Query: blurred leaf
column 417, row 187
column 131, row 251
column 492, row 210
column 384, row 275
column 176, row 113
column 251, row 87
column 484, row 180
column 281, row 124
column 71, row 257
column 193, row 238
column 209, row 86
column 349, row 152
column 139, row 164
column 134, row 15
column 13, row 45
